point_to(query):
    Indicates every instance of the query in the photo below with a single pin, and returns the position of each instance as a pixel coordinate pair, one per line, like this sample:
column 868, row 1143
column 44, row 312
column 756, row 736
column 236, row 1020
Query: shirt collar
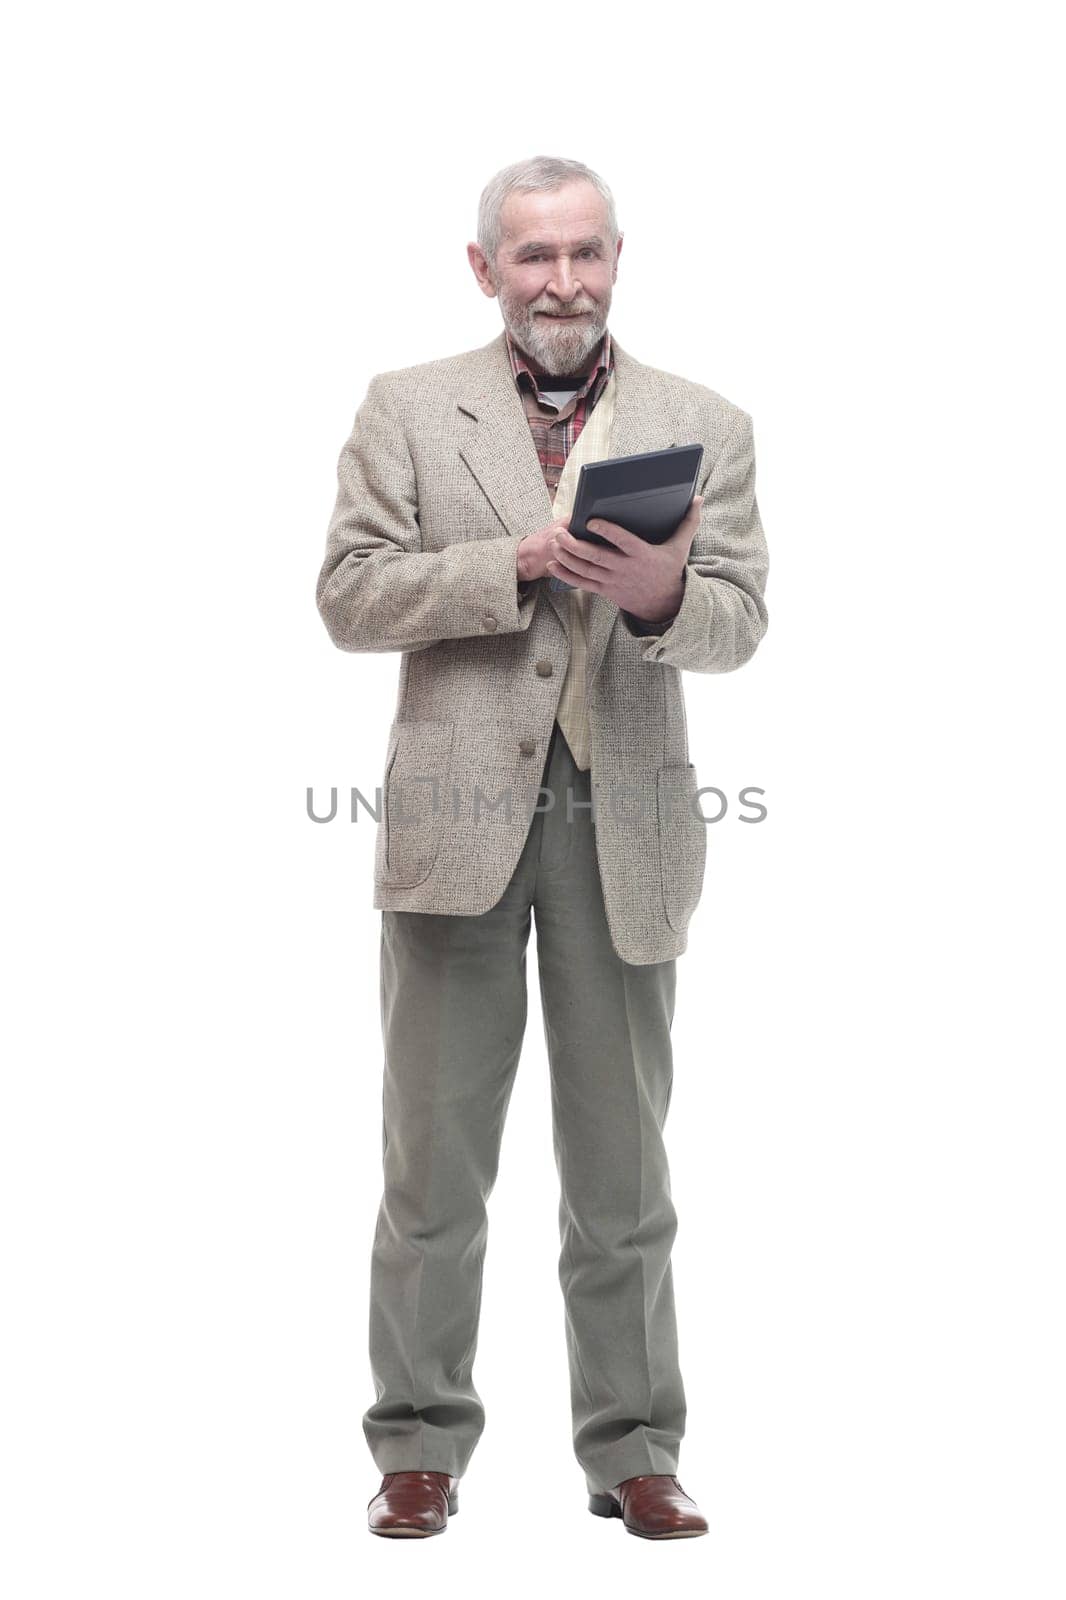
column 520, row 365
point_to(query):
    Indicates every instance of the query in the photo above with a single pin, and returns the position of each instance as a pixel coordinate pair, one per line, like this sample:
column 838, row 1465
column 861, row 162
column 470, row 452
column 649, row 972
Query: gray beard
column 553, row 353
column 563, row 350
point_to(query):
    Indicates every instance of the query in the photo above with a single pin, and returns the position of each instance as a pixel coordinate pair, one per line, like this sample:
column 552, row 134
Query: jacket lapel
column 497, row 446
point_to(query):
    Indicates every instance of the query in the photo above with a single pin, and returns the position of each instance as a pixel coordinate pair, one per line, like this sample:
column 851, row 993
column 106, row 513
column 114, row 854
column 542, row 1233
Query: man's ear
column 480, row 267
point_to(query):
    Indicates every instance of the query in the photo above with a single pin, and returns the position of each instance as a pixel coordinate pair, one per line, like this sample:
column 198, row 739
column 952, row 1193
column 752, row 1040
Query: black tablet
column 647, row 493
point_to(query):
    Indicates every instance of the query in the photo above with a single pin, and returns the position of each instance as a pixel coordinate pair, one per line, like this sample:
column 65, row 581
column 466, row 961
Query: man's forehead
column 559, row 215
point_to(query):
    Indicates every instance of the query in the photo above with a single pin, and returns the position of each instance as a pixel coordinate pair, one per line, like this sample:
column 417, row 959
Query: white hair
column 536, row 173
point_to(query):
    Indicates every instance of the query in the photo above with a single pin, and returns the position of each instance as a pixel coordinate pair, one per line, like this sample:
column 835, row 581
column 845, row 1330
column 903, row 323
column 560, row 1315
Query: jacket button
column 544, row 669
column 490, row 623
column 527, row 746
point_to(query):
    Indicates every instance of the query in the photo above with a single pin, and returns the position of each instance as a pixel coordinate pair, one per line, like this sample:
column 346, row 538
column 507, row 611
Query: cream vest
column 592, row 444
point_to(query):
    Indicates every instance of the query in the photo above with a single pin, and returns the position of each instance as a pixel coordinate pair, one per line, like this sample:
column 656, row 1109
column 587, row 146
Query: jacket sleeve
column 722, row 615
column 378, row 589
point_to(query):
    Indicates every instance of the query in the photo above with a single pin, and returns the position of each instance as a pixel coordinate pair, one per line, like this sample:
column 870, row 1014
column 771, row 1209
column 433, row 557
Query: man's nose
column 563, row 284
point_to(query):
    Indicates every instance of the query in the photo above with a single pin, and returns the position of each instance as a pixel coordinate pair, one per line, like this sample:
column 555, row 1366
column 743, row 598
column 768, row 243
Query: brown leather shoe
column 412, row 1505
column 653, row 1505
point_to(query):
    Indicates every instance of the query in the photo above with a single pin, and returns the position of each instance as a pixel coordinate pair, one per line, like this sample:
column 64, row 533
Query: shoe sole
column 408, row 1533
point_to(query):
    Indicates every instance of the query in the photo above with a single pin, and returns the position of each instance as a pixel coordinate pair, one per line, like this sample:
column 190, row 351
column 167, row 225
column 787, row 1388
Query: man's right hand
column 536, row 549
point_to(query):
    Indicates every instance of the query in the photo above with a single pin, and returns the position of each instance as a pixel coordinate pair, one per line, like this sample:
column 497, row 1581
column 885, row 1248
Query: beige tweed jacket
column 438, row 482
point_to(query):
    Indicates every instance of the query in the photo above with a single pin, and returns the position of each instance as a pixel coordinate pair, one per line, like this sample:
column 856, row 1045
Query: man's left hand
column 641, row 578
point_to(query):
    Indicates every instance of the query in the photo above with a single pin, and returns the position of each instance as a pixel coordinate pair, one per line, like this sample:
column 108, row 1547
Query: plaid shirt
column 555, row 428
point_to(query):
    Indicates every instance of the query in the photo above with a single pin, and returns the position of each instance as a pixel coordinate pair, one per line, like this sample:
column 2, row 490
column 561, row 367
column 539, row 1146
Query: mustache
column 553, row 311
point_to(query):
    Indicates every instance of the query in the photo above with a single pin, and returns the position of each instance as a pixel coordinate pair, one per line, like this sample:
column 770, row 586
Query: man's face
column 553, row 273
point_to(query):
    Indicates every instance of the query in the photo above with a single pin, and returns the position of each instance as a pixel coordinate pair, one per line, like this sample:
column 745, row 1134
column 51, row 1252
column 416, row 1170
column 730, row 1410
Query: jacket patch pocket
column 682, row 842
column 413, row 801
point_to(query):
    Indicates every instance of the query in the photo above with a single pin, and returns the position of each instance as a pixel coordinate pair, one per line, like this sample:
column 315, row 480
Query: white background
column 224, row 219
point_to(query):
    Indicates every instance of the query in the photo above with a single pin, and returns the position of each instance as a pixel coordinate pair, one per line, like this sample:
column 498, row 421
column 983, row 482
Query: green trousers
column 453, row 996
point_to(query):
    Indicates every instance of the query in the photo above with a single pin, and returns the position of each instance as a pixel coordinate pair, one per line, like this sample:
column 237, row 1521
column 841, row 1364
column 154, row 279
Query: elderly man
column 537, row 766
